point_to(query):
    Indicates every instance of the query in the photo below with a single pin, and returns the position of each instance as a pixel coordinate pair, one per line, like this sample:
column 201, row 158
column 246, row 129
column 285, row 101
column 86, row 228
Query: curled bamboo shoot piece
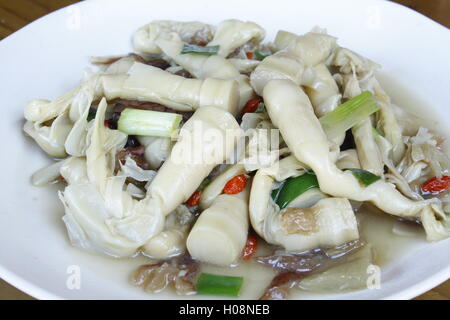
column 202, row 67
column 51, row 138
column 144, row 38
column 41, row 110
column 215, row 188
column 74, row 171
column 220, row 233
column 260, row 203
column 290, row 63
column 325, row 96
column 283, row 39
column 232, row 34
column 47, row 174
column 313, row 47
column 172, row 240
column 303, row 224
column 244, row 65
column 368, row 152
column 157, row 149
column 388, row 122
column 330, row 222
column 193, row 157
column 147, row 83
column 348, row 159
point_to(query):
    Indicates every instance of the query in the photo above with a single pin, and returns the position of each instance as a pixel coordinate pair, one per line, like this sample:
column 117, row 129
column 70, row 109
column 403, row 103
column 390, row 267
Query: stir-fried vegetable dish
column 211, row 146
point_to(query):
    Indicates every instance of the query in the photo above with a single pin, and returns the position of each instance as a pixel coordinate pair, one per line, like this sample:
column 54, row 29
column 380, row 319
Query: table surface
column 14, row 14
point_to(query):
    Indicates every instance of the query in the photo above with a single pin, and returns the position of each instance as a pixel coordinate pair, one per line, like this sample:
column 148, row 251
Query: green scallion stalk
column 365, row 177
column 260, row 55
column 348, row 114
column 192, row 48
column 204, row 184
column 149, row 123
column 91, row 114
column 219, row 285
column 293, row 187
column 261, row 108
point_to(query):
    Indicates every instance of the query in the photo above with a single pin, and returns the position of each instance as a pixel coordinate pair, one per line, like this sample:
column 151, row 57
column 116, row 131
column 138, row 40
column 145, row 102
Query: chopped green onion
column 365, row 177
column 219, row 285
column 261, row 107
column 293, row 187
column 192, row 48
column 204, row 184
column 260, row 55
column 348, row 114
column 91, row 114
column 149, row 123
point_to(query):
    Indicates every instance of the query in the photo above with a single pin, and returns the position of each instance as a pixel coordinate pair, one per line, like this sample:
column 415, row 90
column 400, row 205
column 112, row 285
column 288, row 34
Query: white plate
column 47, row 57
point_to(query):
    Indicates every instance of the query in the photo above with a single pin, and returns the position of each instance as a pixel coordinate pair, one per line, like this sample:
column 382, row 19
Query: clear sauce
column 389, row 236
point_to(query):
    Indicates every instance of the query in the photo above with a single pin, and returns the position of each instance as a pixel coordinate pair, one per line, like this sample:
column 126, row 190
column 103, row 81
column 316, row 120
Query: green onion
column 91, row 114
column 348, row 114
column 204, row 184
column 192, row 48
column 260, row 55
column 261, row 107
column 365, row 177
column 219, row 285
column 149, row 123
column 293, row 187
